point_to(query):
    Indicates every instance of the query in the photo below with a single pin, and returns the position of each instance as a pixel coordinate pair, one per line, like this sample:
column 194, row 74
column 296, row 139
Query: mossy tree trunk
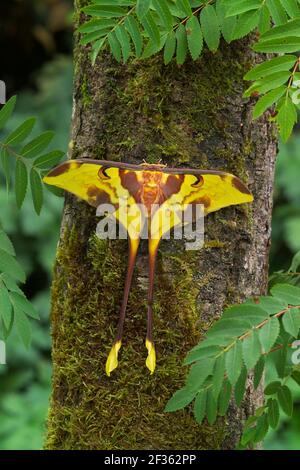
column 195, row 116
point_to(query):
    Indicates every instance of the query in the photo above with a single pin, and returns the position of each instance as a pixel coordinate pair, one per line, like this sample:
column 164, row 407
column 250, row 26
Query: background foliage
column 44, row 87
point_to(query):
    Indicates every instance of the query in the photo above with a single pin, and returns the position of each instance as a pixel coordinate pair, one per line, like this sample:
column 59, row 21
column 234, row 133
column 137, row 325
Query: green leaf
column 233, row 362
column 5, row 159
column 267, row 101
column 241, row 6
column 181, row 49
column 258, row 371
column 96, row 48
column 5, row 306
column 114, row 46
column 273, row 413
column 251, row 350
column 291, row 7
column 246, row 23
column 201, row 353
column 218, row 376
column 295, row 262
column 296, row 376
column 269, row 333
column 23, row 327
column 211, row 407
column 291, row 321
column 49, row 159
column 105, row 11
column 20, row 134
column 163, row 12
column 10, row 283
column 269, row 83
column 248, row 313
column 271, row 305
column 288, row 44
column 133, row 28
column 179, row 400
column 277, row 12
column 285, row 400
column 194, row 37
column 262, row 428
column 170, row 46
column 20, row 301
column 286, row 118
column 240, row 387
column 9, row 265
column 272, row 387
column 7, row 111
column 210, row 27
column 280, row 359
column 36, row 190
column 227, row 24
column 224, row 398
column 37, row 145
column 123, row 39
column 152, row 48
column 151, row 28
column 185, row 6
column 142, row 7
column 199, row 373
column 200, row 406
column 286, row 292
column 21, row 181
column 6, row 244
column 269, row 67
column 96, row 25
column 93, row 36
column 264, row 23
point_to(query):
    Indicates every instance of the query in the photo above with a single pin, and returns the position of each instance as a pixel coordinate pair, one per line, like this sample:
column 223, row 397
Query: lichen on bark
column 194, row 116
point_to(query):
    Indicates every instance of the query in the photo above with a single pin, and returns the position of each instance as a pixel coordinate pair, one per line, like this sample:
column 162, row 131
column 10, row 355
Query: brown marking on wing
column 172, row 185
column 130, row 182
column 237, row 183
column 97, row 196
column 205, row 200
column 223, row 177
column 63, row 168
column 199, row 181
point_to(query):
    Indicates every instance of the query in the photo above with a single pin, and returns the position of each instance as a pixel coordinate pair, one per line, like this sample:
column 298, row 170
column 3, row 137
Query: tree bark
column 190, row 116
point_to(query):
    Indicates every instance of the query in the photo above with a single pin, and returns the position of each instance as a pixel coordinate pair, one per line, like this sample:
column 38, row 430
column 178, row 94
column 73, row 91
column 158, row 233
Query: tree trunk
column 190, row 116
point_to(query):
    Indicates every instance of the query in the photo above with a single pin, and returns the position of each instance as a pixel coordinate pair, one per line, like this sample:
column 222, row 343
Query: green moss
column 85, row 96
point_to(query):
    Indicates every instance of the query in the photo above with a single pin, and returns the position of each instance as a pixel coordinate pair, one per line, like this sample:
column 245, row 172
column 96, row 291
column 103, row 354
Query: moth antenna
column 151, row 359
column 112, row 360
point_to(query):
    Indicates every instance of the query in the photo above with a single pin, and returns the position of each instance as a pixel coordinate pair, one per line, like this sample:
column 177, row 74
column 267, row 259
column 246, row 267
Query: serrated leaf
column 10, row 283
column 267, row 101
column 246, row 23
column 152, row 48
column 37, row 145
column 233, row 362
column 286, row 118
column 269, row 83
column 151, row 28
column 291, row 321
column 280, row 359
column 291, row 7
column 21, row 181
column 277, row 12
column 296, row 376
column 163, row 12
column 170, row 47
column 5, row 306
column 133, row 28
column 295, row 262
column 240, row 387
column 93, row 36
column 9, row 265
column 194, row 37
column 210, row 27
column 224, row 398
column 20, row 134
column 272, row 387
column 258, row 371
column 96, row 25
column 273, row 413
column 249, row 313
column 49, row 159
column 282, row 63
column 241, row 6
column 286, row 292
column 7, row 111
column 142, row 7
column 123, row 39
column 36, row 190
column 288, row 44
column 115, row 47
column 179, row 400
column 218, row 376
column 227, row 24
column 199, row 373
column 181, row 49
column 20, row 301
column 198, row 354
column 285, row 400
column 264, row 23
column 23, row 327
column 105, row 11
column 200, row 406
column 262, row 428
column 185, row 6
column 211, row 408
column 271, row 305
column 6, row 244
column 269, row 333
column 251, row 350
